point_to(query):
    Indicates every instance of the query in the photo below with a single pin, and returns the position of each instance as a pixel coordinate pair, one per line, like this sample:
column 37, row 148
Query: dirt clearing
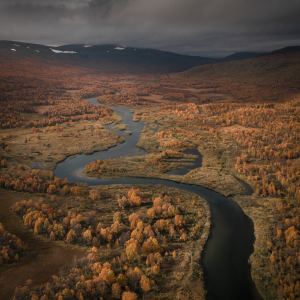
column 40, row 261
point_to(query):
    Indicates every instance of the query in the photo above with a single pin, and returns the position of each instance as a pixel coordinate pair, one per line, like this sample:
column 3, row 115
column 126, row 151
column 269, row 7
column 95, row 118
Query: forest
column 141, row 232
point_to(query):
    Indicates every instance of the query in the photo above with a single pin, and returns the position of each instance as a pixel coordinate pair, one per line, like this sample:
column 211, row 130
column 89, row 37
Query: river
column 225, row 256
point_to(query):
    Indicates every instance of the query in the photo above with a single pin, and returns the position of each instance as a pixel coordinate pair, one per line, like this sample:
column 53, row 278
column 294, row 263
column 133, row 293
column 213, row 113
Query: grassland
column 53, row 144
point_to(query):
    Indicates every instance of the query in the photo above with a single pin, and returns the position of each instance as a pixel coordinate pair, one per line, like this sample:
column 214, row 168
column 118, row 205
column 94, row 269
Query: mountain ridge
column 113, row 57
column 111, row 54
column 240, row 56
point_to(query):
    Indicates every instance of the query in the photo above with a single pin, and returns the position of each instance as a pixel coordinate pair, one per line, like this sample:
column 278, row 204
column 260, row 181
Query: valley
column 164, row 185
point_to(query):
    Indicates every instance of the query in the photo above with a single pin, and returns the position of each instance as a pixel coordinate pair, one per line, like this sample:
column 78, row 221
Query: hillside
column 285, row 50
column 273, row 77
column 240, row 56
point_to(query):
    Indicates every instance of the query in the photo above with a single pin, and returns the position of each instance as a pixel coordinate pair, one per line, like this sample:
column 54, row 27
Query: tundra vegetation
column 138, row 239
column 242, row 116
column 10, row 247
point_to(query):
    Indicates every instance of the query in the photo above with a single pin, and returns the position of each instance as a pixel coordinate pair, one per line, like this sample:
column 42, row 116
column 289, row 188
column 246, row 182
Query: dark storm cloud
column 185, row 26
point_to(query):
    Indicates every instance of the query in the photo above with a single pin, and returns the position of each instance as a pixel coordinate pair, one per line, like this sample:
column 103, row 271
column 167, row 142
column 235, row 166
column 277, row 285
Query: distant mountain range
column 116, row 57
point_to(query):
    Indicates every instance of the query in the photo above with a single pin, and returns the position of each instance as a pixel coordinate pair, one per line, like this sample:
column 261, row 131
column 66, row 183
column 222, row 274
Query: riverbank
column 50, row 145
column 263, row 221
column 152, row 166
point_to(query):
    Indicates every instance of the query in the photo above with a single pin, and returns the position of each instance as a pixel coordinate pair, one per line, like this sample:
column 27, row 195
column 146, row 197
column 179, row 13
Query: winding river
column 226, row 253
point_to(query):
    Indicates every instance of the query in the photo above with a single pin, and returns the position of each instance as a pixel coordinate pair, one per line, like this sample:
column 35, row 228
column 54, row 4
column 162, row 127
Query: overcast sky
column 194, row 27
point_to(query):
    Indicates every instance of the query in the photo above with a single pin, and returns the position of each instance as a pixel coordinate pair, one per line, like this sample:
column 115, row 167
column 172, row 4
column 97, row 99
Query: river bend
column 225, row 256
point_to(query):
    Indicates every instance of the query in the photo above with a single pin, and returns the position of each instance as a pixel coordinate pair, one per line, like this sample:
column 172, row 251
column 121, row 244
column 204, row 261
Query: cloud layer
column 184, row 26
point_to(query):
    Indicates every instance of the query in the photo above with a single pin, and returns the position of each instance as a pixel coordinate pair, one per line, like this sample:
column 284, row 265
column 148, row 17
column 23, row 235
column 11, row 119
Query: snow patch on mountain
column 58, row 51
